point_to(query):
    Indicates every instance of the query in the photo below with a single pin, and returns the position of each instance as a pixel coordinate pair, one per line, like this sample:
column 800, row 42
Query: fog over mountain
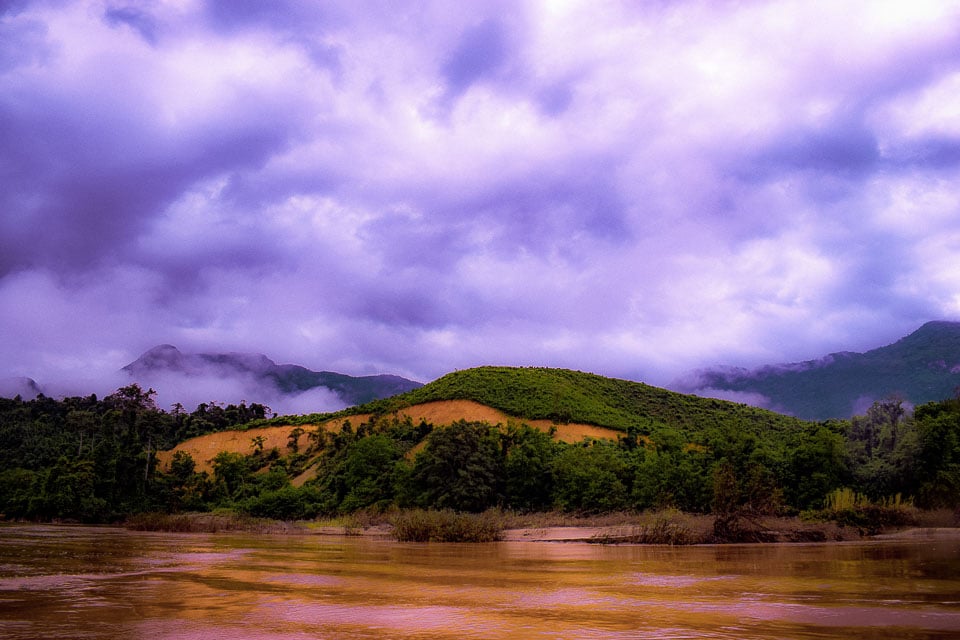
column 921, row 367
column 19, row 386
column 191, row 378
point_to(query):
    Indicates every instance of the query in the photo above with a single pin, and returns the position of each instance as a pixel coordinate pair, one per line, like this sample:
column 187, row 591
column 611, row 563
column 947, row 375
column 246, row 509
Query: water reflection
column 84, row 582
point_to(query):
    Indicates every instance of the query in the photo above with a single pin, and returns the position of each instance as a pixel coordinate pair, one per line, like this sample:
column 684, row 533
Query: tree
column 591, row 477
column 528, row 468
column 231, row 474
column 938, row 453
column 460, row 468
column 364, row 474
column 68, row 492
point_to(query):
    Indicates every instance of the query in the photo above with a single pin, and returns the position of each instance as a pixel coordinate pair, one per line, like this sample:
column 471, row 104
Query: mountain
column 921, row 367
column 287, row 379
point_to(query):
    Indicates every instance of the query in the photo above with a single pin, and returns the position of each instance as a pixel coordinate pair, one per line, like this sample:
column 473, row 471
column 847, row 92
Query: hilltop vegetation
column 95, row 460
column 561, row 395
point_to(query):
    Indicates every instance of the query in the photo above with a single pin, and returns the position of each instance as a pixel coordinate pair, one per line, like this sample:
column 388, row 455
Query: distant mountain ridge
column 285, row 378
column 921, row 367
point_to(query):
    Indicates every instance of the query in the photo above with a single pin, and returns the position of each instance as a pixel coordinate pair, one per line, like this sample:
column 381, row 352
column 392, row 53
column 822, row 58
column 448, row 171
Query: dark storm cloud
column 83, row 191
column 230, row 15
column 480, row 53
column 844, row 149
column 932, row 153
column 134, row 17
column 89, row 165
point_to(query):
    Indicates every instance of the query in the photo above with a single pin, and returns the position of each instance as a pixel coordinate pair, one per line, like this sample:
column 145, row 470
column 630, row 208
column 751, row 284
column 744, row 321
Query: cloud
column 631, row 189
column 212, row 385
column 481, row 52
column 135, row 18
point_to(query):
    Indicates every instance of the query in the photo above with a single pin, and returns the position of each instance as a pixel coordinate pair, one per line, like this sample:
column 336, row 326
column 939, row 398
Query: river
column 109, row 583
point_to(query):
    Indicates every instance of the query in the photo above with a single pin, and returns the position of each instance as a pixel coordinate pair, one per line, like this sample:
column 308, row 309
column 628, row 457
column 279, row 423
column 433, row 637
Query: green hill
column 563, row 395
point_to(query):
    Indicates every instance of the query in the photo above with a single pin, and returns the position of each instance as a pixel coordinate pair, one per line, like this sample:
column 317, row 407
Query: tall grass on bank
column 849, row 508
column 666, row 527
column 419, row 525
column 206, row 523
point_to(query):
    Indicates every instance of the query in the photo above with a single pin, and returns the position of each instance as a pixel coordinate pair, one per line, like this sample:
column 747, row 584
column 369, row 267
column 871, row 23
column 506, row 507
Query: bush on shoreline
column 206, row 523
column 420, row 525
column 849, row 508
column 667, row 527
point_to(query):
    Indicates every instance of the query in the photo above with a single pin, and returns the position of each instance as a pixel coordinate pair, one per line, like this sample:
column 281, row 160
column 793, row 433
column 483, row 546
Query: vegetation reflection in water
column 108, row 583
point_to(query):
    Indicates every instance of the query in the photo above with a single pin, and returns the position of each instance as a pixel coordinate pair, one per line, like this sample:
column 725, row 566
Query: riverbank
column 661, row 527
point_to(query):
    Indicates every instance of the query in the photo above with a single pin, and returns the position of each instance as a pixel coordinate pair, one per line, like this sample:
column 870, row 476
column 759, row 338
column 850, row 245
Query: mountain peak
column 935, row 330
column 163, row 356
column 257, row 374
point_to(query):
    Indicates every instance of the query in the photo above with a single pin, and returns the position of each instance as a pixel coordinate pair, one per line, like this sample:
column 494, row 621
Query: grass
column 352, row 524
column 420, row 525
column 664, row 527
column 848, row 508
column 667, row 527
column 207, row 523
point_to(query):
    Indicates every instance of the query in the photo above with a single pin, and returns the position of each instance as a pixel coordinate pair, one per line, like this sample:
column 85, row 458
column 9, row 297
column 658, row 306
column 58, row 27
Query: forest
column 94, row 460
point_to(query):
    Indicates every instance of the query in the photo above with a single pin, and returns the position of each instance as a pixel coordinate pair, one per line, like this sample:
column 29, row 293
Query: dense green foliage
column 92, row 460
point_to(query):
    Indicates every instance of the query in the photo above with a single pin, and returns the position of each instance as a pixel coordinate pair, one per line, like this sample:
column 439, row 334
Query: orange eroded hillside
column 204, row 448
column 447, row 411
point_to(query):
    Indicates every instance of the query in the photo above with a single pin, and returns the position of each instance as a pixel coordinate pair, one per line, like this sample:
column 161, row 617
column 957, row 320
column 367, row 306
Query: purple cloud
column 636, row 190
column 481, row 52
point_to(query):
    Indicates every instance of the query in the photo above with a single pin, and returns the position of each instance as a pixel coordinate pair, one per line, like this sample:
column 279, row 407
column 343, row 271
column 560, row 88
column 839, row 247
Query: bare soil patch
column 448, row 411
column 203, row 449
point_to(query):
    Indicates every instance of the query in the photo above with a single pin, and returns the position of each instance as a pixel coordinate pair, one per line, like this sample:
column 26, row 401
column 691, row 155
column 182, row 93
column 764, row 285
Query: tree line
column 94, row 460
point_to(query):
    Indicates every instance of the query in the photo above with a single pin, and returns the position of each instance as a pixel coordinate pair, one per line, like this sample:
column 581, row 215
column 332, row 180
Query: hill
column 565, row 396
column 290, row 379
column 437, row 447
column 919, row 368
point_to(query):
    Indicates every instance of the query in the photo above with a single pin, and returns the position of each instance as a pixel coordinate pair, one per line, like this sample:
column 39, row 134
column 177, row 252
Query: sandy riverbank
column 666, row 527
column 622, row 534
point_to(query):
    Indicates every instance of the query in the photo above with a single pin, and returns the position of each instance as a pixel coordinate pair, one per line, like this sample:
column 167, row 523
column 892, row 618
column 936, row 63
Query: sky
column 635, row 189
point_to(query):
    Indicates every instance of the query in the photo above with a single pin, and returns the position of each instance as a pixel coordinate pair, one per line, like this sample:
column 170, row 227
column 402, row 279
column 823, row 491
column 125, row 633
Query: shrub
column 848, row 508
column 667, row 528
column 203, row 523
column 419, row 525
column 287, row 503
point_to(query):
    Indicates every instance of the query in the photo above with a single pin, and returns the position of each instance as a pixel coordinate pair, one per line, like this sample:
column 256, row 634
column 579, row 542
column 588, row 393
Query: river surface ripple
column 109, row 583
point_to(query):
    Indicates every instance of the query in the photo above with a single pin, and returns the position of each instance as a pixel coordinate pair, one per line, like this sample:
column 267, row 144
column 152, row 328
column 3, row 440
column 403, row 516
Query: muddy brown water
column 97, row 582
